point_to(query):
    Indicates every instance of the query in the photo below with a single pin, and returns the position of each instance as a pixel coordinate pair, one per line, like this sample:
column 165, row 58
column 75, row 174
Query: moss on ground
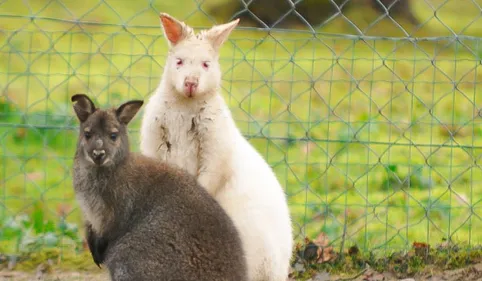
column 420, row 261
column 421, row 258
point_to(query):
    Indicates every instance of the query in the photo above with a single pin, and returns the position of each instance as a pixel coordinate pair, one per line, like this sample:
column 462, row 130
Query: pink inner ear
column 173, row 29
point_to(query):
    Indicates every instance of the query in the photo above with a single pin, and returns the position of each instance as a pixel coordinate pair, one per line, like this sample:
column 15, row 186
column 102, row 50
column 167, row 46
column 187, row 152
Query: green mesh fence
column 367, row 111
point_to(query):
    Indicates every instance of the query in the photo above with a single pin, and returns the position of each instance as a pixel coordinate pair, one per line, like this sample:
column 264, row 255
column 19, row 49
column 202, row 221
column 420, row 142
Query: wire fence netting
column 368, row 111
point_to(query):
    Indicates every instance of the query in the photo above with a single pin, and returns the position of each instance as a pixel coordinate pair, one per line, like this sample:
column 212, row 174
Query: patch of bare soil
column 469, row 273
column 53, row 276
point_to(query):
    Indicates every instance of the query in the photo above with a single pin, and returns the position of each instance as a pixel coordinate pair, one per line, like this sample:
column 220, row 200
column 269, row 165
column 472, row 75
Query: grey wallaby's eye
column 87, row 135
column 113, row 136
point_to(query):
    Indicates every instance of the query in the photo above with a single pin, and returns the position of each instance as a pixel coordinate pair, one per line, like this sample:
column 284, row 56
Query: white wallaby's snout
column 190, row 85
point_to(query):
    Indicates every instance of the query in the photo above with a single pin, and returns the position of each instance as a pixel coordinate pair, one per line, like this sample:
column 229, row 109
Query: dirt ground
column 469, row 273
column 54, row 276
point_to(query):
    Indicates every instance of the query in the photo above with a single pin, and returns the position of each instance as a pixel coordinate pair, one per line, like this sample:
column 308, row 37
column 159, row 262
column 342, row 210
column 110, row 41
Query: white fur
column 89, row 208
column 199, row 135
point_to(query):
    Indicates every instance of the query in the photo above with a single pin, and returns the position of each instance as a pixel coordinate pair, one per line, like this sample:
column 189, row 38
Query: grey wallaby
column 147, row 220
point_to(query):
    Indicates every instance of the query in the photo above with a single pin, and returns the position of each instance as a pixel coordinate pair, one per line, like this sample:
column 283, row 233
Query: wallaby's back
column 155, row 221
column 177, row 230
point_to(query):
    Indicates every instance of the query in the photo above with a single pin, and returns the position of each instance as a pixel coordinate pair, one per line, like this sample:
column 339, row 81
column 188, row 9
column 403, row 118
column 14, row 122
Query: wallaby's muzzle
column 98, row 156
column 97, row 152
column 190, row 85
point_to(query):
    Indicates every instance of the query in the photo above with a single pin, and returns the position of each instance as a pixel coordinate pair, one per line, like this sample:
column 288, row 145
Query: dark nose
column 98, row 154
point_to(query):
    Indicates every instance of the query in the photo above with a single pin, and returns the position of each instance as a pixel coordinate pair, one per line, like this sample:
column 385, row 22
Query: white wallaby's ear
column 174, row 30
column 218, row 34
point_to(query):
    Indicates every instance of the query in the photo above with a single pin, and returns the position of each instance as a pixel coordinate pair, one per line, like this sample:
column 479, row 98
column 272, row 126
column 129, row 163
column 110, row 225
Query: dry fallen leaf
column 324, row 253
column 322, row 240
column 372, row 275
column 421, row 249
column 317, row 250
column 420, row 245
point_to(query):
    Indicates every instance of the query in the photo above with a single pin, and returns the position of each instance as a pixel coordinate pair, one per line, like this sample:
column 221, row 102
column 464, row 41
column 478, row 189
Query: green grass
column 370, row 138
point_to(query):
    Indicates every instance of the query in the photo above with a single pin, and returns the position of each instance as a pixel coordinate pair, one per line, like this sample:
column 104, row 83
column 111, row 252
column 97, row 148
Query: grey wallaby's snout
column 98, row 156
column 103, row 135
column 98, row 153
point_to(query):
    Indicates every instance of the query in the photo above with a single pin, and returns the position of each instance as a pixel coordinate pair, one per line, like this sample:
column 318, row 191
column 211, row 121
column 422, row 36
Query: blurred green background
column 375, row 137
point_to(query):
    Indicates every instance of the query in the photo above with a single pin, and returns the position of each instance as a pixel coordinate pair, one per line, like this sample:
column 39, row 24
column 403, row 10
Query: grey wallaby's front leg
column 97, row 245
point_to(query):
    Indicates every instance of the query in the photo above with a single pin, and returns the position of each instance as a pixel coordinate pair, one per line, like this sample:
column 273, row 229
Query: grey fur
column 158, row 223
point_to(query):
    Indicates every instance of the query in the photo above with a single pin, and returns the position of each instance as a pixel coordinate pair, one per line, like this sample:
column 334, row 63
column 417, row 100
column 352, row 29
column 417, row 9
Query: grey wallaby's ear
column 128, row 110
column 83, row 106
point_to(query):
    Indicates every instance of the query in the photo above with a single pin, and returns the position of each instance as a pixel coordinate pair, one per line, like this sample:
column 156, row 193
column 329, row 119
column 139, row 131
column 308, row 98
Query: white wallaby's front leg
column 154, row 142
column 214, row 163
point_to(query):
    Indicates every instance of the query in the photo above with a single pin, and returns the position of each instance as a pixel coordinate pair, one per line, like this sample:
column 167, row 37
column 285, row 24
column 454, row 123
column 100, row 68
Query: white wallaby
column 187, row 123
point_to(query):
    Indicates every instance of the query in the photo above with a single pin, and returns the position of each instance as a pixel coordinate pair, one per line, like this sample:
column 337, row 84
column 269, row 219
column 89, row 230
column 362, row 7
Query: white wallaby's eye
column 179, row 62
column 206, row 65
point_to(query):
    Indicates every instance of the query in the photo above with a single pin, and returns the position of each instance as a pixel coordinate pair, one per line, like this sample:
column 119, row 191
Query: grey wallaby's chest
column 92, row 191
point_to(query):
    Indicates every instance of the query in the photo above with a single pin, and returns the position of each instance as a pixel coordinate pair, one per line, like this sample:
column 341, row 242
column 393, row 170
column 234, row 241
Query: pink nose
column 190, row 86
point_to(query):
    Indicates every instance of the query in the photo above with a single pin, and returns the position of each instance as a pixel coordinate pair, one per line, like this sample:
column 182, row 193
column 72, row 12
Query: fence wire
column 366, row 110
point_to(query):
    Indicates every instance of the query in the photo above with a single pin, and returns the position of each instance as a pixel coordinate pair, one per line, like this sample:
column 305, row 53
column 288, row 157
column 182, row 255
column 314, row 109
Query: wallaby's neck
column 100, row 175
column 103, row 194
